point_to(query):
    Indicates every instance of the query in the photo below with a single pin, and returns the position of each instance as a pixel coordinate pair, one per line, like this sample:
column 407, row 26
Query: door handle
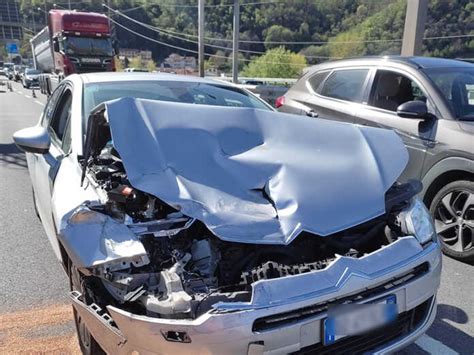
column 312, row 113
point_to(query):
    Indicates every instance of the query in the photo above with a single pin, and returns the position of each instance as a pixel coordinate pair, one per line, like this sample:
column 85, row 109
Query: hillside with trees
column 329, row 28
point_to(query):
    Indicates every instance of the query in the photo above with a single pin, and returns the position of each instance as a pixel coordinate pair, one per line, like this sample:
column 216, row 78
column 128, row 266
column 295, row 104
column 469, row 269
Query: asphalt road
column 34, row 311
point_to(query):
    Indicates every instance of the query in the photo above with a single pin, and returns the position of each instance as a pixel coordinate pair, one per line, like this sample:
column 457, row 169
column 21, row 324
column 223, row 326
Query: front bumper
column 249, row 328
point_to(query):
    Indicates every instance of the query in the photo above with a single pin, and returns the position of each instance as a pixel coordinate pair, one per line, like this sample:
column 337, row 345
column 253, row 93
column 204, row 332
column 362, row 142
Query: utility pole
column 201, row 37
column 69, row 3
column 235, row 43
column 415, row 20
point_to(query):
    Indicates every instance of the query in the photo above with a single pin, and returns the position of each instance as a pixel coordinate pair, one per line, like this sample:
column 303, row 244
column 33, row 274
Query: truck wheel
column 87, row 343
column 452, row 209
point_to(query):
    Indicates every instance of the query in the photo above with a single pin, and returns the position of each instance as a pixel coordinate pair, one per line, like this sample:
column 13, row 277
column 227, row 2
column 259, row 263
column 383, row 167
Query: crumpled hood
column 256, row 176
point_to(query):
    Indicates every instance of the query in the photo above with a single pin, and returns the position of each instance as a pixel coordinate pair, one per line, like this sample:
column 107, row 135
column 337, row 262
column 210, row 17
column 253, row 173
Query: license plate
column 353, row 319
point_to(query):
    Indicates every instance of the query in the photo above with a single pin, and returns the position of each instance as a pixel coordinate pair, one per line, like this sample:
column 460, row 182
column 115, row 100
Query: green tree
column 276, row 63
column 151, row 65
column 136, row 62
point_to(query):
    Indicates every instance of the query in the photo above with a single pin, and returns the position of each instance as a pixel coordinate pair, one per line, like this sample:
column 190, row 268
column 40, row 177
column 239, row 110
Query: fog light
column 176, row 336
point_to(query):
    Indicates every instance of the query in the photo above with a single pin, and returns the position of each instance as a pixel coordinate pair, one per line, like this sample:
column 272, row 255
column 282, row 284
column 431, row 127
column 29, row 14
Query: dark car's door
column 389, row 89
column 338, row 96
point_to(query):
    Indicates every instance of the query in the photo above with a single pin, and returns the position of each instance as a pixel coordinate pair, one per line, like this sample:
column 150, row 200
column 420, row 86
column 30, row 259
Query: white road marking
column 40, row 103
column 433, row 346
column 20, row 92
column 28, row 96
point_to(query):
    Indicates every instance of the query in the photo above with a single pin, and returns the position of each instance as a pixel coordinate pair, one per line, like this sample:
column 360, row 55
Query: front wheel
column 452, row 209
column 87, row 343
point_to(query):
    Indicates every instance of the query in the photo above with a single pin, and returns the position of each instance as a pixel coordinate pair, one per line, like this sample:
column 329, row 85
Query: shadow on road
column 448, row 334
column 11, row 156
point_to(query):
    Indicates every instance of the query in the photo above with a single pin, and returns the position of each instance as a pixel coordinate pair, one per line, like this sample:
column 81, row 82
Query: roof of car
column 139, row 76
column 417, row 62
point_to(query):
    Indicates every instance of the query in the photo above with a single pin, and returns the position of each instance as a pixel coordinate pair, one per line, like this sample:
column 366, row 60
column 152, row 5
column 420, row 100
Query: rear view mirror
column 33, row 140
column 413, row 109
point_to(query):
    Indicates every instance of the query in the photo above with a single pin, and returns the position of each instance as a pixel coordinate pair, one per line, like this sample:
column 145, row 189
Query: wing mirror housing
column 33, row 140
column 413, row 109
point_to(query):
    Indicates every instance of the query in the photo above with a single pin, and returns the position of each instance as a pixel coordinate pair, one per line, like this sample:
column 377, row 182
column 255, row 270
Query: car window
column 61, row 117
column 51, row 106
column 391, row 89
column 457, row 87
column 316, row 80
column 175, row 91
column 345, row 84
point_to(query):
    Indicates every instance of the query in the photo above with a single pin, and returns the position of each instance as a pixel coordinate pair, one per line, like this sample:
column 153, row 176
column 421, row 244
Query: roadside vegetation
column 330, row 29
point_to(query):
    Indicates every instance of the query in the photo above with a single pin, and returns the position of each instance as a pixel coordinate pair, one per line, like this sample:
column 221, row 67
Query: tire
column 87, row 343
column 452, row 209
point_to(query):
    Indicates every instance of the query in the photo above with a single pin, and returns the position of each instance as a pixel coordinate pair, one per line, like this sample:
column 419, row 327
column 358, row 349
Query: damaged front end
column 162, row 252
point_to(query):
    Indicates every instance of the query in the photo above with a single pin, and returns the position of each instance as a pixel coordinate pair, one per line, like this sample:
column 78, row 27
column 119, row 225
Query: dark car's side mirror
column 33, row 140
column 413, row 109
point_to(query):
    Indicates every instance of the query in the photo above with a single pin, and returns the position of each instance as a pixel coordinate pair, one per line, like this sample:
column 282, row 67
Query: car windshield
column 457, row 86
column 32, row 71
column 175, row 91
column 88, row 46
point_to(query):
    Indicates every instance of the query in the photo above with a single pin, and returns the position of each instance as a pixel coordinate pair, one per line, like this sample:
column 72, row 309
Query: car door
column 389, row 89
column 339, row 95
column 56, row 119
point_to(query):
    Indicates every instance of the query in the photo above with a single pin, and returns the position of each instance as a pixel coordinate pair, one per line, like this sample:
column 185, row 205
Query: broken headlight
column 416, row 221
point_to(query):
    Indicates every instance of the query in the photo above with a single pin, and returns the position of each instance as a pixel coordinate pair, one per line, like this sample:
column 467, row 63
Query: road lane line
column 20, row 92
column 40, row 103
column 28, row 96
column 433, row 346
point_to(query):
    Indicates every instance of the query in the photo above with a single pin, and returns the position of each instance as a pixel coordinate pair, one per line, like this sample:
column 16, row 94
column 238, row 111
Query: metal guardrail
column 282, row 81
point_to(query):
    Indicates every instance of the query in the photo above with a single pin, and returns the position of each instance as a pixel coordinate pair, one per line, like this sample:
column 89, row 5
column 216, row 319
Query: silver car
column 192, row 218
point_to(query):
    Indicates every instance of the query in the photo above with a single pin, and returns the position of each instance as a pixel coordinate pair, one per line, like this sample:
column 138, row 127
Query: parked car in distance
column 17, row 71
column 429, row 102
column 191, row 218
column 3, row 80
column 30, row 77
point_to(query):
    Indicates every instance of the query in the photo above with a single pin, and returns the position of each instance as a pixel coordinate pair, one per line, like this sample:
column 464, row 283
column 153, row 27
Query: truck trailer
column 72, row 42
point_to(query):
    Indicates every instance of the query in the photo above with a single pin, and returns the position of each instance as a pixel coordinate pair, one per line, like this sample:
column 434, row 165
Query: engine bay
column 190, row 269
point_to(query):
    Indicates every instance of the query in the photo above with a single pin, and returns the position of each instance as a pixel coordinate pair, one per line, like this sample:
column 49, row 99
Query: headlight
column 416, row 221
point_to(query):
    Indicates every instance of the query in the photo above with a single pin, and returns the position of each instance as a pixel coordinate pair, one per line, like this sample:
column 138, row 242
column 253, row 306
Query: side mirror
column 33, row 140
column 413, row 109
column 55, row 44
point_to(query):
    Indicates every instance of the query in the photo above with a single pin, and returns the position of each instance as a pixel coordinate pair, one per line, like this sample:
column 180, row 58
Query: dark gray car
column 430, row 103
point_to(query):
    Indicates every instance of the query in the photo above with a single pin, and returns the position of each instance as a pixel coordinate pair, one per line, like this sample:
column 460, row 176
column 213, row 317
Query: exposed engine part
column 189, row 269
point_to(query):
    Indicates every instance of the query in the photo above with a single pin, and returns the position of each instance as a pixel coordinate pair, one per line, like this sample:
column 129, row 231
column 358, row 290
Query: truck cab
column 73, row 42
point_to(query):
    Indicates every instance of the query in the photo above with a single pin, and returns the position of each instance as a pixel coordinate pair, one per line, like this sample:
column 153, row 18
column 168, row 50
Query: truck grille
column 298, row 315
column 90, row 68
column 404, row 324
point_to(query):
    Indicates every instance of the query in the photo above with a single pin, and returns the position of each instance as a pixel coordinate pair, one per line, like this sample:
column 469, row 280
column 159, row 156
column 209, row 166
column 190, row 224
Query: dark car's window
column 316, row 80
column 391, row 89
column 175, row 91
column 457, row 87
column 345, row 84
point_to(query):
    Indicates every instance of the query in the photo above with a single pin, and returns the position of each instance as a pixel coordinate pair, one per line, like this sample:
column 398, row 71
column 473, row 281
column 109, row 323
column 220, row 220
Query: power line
column 194, row 51
column 173, row 35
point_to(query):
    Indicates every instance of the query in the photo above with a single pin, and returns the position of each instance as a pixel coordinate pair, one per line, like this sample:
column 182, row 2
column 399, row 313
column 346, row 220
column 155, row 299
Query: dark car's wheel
column 453, row 212
column 87, row 343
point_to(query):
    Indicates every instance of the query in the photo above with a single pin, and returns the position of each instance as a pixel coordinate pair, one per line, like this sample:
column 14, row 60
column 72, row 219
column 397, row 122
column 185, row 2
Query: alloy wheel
column 454, row 220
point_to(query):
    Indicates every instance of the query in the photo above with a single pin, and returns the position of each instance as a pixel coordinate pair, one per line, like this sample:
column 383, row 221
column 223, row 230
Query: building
column 133, row 53
column 176, row 61
column 10, row 25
